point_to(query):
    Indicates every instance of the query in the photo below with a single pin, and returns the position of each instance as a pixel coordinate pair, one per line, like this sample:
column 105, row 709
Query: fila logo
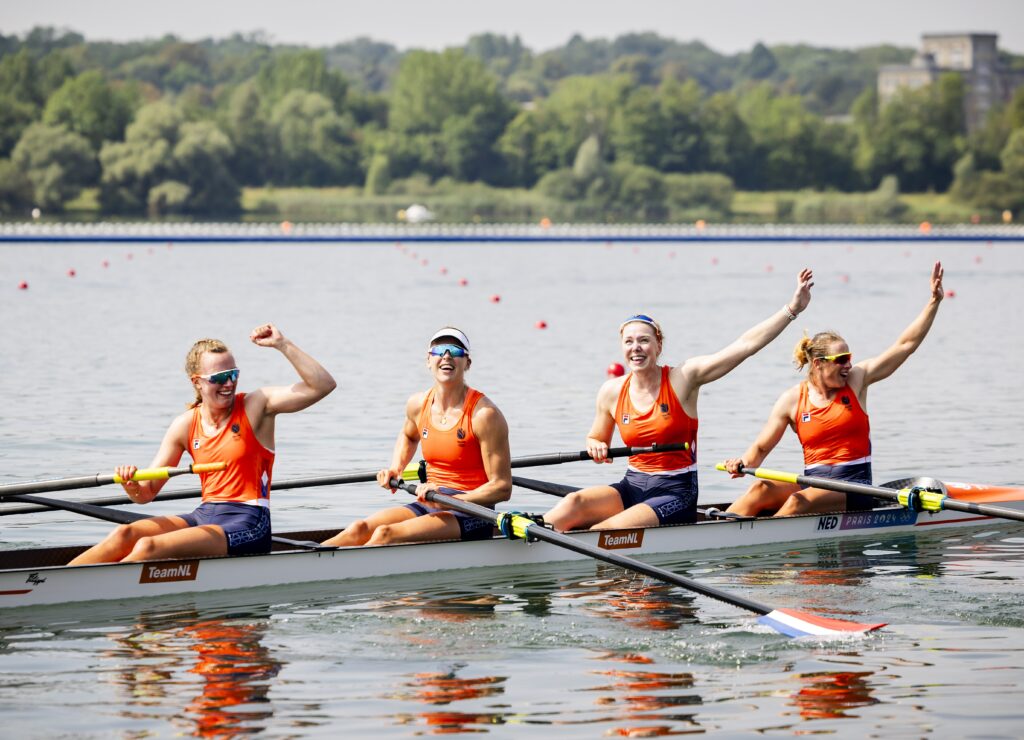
column 195, row 444
column 805, row 418
column 625, row 418
column 424, row 432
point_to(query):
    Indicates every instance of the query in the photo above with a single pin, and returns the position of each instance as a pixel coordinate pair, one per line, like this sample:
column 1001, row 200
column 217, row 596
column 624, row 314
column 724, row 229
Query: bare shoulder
column 180, row 425
column 487, row 413
column 610, row 389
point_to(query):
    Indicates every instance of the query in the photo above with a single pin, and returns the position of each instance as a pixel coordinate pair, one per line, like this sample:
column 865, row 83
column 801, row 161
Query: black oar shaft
column 555, row 489
column 564, row 457
column 110, row 515
column 569, row 543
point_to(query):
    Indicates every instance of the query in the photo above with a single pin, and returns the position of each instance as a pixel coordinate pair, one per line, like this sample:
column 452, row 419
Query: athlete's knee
column 795, row 504
column 144, row 549
column 122, row 537
column 382, row 535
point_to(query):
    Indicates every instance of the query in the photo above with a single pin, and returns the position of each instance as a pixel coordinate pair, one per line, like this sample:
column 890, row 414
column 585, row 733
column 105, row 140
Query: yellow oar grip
column 766, row 474
column 208, row 467
column 146, row 474
column 411, row 473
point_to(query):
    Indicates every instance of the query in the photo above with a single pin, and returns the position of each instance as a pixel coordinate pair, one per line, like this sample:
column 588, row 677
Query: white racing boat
column 35, row 577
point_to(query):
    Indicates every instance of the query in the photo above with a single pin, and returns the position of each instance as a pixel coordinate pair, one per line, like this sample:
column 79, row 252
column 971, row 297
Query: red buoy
column 463, row 281
column 616, row 370
column 541, row 324
column 495, row 298
column 23, row 285
column 443, row 271
column 106, row 263
column 950, row 294
column 71, row 272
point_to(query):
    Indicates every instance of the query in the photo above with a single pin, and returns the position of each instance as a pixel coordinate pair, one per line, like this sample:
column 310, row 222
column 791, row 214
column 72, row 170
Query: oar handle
column 165, row 473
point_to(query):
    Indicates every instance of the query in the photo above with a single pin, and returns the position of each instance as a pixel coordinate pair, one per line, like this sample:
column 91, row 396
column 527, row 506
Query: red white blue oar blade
column 802, row 624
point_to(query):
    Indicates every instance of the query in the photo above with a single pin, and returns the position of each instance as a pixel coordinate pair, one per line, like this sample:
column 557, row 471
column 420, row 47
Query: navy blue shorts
column 247, row 527
column 859, row 473
column 470, row 527
column 673, row 497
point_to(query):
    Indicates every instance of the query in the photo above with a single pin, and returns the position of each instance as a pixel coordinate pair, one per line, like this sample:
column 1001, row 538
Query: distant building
column 973, row 55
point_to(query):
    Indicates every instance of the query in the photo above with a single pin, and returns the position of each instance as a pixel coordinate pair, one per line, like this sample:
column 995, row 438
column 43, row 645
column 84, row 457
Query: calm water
column 93, row 374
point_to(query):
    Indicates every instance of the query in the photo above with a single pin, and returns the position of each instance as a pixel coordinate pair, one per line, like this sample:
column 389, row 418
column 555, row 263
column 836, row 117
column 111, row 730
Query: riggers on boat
column 34, row 577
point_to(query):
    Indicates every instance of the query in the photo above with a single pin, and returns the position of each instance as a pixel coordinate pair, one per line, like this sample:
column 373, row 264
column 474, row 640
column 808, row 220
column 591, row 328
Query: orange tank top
column 833, row 434
column 246, row 479
column 453, row 455
column 664, row 423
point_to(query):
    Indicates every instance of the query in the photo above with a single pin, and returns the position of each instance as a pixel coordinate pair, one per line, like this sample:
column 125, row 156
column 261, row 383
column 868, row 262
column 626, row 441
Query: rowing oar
column 118, row 516
column 88, row 481
column 918, row 498
column 366, row 476
column 564, row 457
column 787, row 621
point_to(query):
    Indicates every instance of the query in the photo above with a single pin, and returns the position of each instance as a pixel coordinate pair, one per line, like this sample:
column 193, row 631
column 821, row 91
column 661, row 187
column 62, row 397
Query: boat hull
column 33, row 582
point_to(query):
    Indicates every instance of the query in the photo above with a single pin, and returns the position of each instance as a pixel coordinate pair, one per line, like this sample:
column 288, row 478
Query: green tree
column 255, row 150
column 295, row 71
column 58, row 162
column 200, row 161
column 90, row 106
column 15, row 117
column 316, row 144
column 17, row 195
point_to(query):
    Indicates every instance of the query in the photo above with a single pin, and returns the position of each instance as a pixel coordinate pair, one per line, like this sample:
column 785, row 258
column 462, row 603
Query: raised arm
column 885, row 364
column 315, row 382
column 708, row 368
column 781, row 417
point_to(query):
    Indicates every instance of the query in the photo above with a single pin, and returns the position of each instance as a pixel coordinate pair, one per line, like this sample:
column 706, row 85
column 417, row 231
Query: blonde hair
column 810, row 348
column 658, row 334
column 195, row 355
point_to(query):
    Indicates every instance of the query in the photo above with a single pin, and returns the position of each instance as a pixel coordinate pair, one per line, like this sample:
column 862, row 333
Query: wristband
column 789, row 312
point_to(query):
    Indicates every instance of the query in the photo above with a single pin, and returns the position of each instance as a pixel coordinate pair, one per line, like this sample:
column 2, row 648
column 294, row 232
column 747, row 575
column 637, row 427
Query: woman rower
column 658, row 404
column 220, row 425
column 828, row 412
column 465, row 445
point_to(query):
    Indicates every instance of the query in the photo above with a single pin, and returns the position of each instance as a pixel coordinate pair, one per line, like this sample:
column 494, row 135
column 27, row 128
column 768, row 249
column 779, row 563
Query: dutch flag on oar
column 801, row 624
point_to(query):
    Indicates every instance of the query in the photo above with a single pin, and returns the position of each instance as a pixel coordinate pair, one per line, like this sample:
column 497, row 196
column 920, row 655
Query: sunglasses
column 841, row 359
column 222, row 377
column 454, row 350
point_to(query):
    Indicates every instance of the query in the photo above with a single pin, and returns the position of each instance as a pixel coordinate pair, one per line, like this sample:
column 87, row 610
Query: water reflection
column 442, row 689
column 832, row 694
column 643, row 696
column 228, row 655
column 635, row 599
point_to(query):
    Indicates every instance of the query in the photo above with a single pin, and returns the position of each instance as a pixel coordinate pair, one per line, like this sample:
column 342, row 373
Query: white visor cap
column 452, row 333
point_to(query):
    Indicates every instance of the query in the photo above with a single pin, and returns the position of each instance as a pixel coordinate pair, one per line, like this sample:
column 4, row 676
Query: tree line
column 641, row 127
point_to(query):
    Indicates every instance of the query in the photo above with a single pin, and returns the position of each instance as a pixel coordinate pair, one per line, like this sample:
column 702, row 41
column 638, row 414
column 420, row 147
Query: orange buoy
column 700, row 224
column 541, row 324
column 616, row 370
column 925, row 227
column 286, row 227
column 545, row 223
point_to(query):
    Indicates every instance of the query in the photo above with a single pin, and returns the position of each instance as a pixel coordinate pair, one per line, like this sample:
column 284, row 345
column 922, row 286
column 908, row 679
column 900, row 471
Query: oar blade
column 795, row 623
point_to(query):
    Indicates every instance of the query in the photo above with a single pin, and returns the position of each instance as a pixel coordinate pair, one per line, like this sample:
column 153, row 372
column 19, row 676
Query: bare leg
column 205, row 540
column 439, row 526
column 812, row 501
column 763, row 495
column 122, row 539
column 584, row 508
column 359, row 532
column 640, row 515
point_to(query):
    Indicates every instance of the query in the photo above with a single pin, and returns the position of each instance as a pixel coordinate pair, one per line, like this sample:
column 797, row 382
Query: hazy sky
column 724, row 25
